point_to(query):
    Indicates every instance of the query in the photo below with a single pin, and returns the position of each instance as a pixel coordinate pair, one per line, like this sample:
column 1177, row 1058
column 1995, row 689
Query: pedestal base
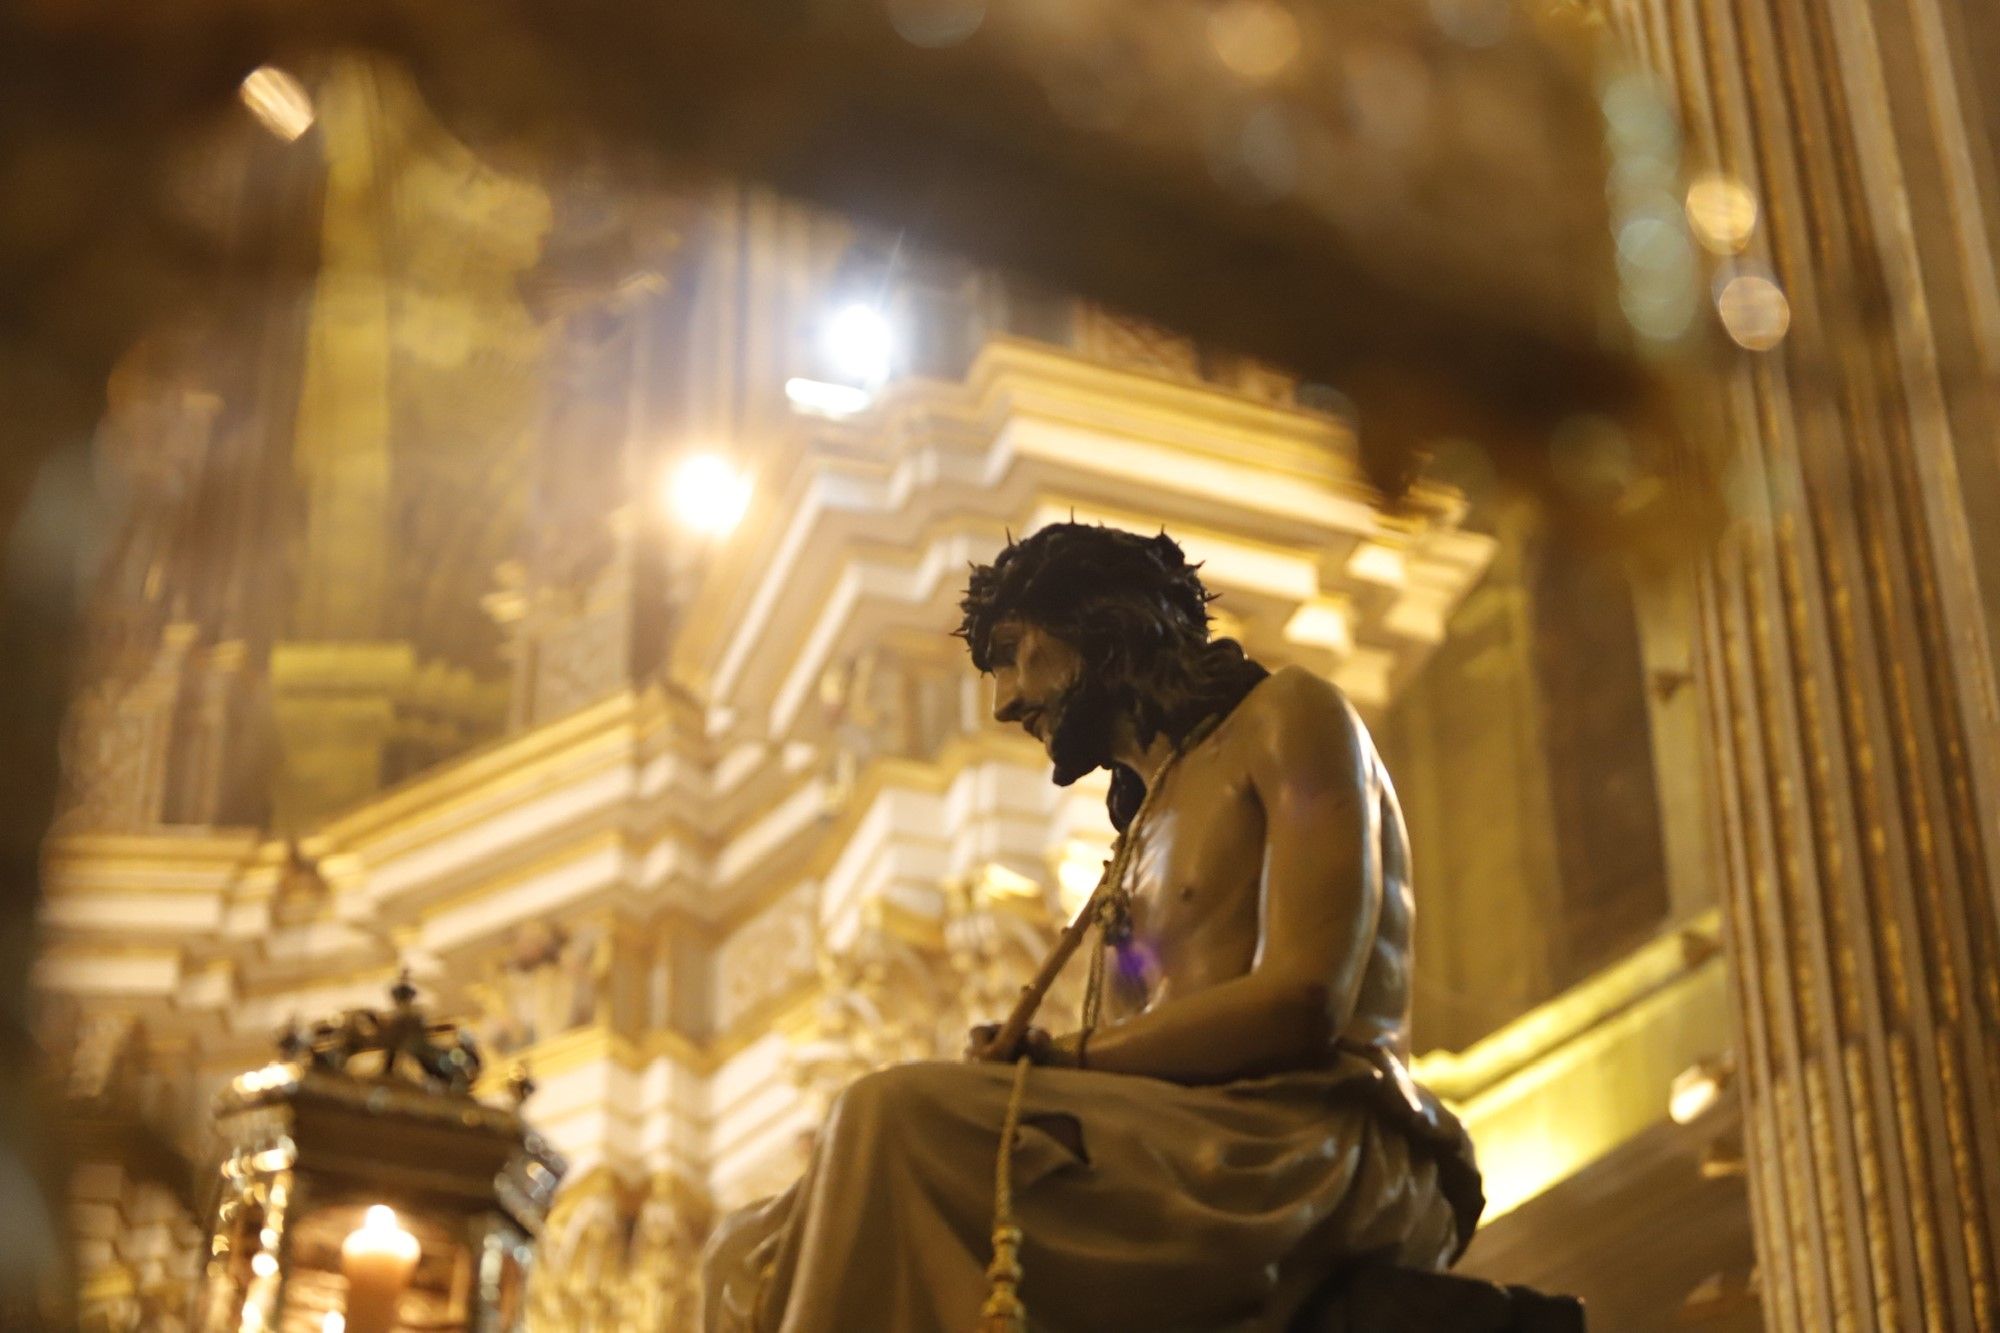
column 1401, row 1300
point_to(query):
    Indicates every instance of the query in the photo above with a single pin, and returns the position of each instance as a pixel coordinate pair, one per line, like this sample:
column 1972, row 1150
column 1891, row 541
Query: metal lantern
column 364, row 1189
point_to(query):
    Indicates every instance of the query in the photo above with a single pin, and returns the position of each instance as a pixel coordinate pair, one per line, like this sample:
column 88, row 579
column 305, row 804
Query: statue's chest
column 1197, row 860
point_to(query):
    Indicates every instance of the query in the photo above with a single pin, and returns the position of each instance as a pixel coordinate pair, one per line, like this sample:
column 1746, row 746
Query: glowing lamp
column 707, row 494
column 859, row 345
column 373, row 1105
column 377, row 1258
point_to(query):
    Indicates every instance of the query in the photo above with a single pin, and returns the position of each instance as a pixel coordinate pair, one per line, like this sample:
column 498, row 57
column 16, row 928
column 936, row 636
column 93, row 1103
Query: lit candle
column 377, row 1258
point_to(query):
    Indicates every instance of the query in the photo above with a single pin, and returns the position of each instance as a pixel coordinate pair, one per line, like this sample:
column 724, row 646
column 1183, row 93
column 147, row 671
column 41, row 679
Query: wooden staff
column 1023, row 1014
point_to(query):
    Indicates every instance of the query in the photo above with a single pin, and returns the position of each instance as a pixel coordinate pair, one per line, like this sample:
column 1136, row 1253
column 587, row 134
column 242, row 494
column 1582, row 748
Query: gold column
column 1845, row 653
column 343, row 436
column 333, row 678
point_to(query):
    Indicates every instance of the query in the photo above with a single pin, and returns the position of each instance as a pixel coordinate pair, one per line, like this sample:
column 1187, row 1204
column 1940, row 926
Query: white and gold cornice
column 874, row 541
column 443, row 874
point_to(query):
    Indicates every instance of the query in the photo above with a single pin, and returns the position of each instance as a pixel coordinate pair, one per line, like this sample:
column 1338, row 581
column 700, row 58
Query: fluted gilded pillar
column 1846, row 645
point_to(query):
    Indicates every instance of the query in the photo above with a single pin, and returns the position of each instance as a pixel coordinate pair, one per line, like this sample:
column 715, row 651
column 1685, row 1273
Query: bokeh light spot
column 1256, row 39
column 1754, row 311
column 1722, row 212
column 936, row 23
column 279, row 101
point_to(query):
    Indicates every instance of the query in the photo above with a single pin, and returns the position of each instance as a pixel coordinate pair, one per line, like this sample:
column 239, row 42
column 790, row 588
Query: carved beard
column 1080, row 739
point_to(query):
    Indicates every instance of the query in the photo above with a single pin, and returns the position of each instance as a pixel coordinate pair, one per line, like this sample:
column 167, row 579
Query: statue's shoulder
column 1296, row 731
column 1294, row 693
column 1294, row 703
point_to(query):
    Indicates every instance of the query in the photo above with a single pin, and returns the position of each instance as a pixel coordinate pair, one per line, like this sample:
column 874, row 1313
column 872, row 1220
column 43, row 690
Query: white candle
column 377, row 1258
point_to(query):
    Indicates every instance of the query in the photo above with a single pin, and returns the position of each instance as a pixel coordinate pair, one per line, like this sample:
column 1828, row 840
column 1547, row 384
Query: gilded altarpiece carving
column 906, row 989
column 620, row 1259
column 769, row 959
column 548, row 980
column 139, row 1245
column 165, row 726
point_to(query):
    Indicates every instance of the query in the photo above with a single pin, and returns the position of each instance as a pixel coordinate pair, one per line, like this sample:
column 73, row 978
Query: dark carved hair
column 1136, row 612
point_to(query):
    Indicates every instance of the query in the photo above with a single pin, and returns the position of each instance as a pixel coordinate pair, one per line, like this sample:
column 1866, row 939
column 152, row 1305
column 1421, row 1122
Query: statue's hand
column 979, row 1046
column 1036, row 1044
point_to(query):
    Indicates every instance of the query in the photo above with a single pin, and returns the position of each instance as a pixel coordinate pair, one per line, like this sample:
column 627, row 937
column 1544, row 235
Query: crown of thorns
column 1055, row 576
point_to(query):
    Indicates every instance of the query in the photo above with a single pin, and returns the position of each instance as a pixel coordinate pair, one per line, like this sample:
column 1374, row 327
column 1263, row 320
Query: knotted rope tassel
column 1107, row 913
column 1003, row 1312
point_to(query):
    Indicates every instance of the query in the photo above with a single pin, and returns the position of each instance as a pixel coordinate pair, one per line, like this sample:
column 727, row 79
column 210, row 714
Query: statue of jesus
column 1240, row 1124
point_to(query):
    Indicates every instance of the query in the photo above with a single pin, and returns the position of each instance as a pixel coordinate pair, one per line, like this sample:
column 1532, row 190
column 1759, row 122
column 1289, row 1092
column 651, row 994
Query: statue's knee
column 887, row 1096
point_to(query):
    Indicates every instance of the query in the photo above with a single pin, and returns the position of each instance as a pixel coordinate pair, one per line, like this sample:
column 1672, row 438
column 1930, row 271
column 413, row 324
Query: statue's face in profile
column 1032, row 672
column 1040, row 685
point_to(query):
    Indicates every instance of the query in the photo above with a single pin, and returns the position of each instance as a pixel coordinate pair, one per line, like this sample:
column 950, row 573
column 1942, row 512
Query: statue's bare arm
column 1320, row 896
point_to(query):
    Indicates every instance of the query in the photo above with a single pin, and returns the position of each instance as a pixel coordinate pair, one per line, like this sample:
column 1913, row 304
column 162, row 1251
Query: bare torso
column 1198, row 872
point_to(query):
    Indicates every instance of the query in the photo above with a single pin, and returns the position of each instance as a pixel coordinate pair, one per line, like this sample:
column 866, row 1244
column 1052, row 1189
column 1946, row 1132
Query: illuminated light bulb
column 279, row 101
column 827, row 400
column 1722, row 212
column 860, row 346
column 1754, row 311
column 335, row 1322
column 265, row 1264
column 707, row 494
column 378, row 1258
column 1256, row 39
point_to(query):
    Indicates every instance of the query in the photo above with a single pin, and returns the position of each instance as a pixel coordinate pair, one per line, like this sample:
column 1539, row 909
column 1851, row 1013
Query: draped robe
column 1145, row 1205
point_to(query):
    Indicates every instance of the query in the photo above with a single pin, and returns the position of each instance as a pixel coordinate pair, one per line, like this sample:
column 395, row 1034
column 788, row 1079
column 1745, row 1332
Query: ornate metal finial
column 397, row 1043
